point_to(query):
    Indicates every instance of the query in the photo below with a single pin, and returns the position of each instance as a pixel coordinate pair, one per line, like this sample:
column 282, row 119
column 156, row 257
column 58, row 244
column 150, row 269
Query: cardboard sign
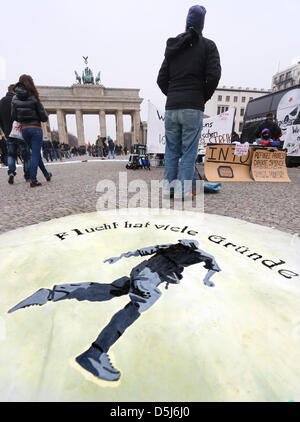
column 221, row 164
column 269, row 165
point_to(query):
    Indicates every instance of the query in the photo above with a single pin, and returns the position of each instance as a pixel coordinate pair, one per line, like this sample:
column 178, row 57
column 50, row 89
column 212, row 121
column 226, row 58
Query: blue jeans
column 111, row 153
column 57, row 154
column 183, row 132
column 14, row 146
column 34, row 139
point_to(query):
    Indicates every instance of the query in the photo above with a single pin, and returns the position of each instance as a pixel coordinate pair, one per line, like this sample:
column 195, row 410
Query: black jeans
column 15, row 146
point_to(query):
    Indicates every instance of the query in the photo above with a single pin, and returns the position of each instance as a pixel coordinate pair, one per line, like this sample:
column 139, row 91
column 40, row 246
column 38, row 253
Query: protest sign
column 216, row 130
column 268, row 165
column 292, row 141
column 221, row 164
column 156, row 139
column 241, row 149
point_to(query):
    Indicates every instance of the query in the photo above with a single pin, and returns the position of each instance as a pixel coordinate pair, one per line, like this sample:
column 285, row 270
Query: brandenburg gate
column 89, row 97
column 92, row 99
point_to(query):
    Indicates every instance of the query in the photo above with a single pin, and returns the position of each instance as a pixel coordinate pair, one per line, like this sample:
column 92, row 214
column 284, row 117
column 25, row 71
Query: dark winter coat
column 111, row 145
column 26, row 109
column 272, row 126
column 190, row 72
column 5, row 114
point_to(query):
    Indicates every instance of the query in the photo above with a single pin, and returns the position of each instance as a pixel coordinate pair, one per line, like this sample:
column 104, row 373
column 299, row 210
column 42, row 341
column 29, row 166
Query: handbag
column 16, row 131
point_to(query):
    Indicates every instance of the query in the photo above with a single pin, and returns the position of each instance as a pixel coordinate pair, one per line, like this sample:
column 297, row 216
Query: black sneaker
column 11, row 179
column 35, row 184
column 98, row 365
column 49, row 177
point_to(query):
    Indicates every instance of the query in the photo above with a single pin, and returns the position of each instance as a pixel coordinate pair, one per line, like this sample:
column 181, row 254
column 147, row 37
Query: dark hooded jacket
column 272, row 126
column 26, row 109
column 190, row 72
column 5, row 114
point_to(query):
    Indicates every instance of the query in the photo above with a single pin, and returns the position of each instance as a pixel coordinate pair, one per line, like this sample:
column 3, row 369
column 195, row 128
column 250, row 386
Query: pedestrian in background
column 29, row 112
column 3, row 151
column 6, row 121
column 189, row 75
column 16, row 146
column 47, row 147
column 111, row 148
column 56, row 149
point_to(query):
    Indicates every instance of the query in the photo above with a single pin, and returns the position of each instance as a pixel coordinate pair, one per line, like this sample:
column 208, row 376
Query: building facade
column 225, row 97
column 286, row 78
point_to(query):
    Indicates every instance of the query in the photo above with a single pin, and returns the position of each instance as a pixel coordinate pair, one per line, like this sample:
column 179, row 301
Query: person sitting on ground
column 235, row 138
column 271, row 125
column 265, row 138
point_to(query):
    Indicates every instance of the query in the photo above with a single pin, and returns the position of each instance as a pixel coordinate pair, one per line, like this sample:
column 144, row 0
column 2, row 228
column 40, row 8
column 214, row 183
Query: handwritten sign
column 269, row 166
column 217, row 129
column 221, row 164
column 241, row 149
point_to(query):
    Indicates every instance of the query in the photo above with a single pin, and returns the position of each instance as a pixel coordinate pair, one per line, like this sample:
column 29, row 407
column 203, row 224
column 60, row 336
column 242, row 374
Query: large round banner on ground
column 149, row 307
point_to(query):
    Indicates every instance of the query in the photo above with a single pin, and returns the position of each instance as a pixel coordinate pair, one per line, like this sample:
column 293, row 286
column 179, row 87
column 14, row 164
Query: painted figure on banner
column 165, row 266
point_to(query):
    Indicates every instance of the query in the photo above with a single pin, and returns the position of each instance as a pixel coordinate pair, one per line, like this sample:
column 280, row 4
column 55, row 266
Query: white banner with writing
column 292, row 141
column 216, row 129
column 156, row 139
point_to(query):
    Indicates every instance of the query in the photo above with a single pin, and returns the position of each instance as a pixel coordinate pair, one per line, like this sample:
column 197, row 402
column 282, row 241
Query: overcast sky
column 125, row 40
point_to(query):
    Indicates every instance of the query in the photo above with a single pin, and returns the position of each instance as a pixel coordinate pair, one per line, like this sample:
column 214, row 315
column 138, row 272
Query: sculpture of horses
column 98, row 80
column 78, row 78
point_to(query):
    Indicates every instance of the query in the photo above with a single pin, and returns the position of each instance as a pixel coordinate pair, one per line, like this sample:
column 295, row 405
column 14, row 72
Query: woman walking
column 29, row 112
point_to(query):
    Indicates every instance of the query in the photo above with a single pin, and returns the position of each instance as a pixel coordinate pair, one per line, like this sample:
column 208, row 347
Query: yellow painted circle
column 238, row 341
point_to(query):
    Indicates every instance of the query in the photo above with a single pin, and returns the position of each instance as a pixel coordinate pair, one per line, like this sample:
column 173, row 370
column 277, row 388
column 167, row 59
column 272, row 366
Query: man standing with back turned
column 189, row 75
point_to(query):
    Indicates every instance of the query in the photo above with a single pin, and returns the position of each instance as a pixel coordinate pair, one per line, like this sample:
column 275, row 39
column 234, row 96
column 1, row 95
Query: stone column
column 144, row 131
column 61, row 123
column 102, row 123
column 119, row 128
column 136, row 123
column 45, row 130
column 48, row 128
column 80, row 127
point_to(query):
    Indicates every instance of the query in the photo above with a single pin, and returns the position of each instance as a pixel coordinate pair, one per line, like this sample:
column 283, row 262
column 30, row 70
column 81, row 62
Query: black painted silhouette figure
column 166, row 265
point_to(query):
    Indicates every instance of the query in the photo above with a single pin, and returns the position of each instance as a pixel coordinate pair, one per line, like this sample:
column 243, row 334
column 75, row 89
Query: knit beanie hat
column 196, row 17
column 266, row 134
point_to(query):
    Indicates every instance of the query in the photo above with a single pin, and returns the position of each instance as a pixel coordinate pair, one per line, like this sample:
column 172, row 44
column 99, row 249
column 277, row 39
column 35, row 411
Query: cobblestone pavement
column 73, row 191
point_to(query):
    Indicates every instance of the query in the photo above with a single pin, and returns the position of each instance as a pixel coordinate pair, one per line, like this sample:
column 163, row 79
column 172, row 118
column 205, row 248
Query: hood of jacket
column 182, row 41
column 196, row 18
column 21, row 91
